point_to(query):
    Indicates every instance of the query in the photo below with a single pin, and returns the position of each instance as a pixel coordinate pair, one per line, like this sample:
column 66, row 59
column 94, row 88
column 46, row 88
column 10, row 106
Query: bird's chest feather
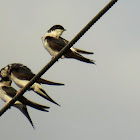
column 4, row 96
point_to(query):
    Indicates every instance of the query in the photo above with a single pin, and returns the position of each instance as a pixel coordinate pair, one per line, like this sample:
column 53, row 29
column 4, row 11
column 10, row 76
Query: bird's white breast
column 4, row 96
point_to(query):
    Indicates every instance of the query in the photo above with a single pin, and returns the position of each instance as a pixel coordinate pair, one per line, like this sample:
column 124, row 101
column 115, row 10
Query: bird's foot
column 19, row 91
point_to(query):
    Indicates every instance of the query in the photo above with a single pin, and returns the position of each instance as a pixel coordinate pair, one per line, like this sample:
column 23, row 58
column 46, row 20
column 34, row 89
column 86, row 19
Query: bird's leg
column 54, row 57
column 19, row 91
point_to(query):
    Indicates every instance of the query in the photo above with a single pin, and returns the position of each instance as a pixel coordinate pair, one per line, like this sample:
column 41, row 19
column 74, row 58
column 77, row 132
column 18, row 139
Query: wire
column 68, row 46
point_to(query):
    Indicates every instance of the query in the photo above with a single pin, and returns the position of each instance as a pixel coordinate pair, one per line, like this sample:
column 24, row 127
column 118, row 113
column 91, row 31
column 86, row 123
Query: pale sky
column 101, row 101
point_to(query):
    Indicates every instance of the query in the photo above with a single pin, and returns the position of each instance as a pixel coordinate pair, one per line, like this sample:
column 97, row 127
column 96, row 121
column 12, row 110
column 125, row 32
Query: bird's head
column 56, row 30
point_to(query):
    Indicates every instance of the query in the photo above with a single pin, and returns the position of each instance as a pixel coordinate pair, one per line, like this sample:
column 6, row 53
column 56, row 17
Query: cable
column 68, row 46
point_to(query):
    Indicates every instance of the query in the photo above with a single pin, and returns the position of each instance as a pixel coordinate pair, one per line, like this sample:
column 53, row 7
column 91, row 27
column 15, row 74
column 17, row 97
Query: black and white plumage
column 21, row 75
column 53, row 43
column 7, row 93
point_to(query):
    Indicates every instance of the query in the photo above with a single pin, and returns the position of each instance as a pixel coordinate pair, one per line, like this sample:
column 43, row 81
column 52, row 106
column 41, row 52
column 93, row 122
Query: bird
column 7, row 93
column 21, row 75
column 53, row 43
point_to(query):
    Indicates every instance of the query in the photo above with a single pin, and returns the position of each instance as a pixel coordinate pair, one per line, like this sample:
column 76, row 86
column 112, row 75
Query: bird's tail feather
column 83, row 59
column 83, row 51
column 24, row 110
column 37, row 106
column 43, row 94
column 43, row 81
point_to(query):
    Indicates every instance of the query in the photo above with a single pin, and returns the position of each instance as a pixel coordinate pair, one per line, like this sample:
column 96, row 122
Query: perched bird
column 21, row 75
column 53, row 43
column 7, row 93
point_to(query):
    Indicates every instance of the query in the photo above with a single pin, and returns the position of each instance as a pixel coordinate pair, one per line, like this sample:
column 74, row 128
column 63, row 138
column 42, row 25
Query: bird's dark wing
column 25, row 74
column 21, row 72
column 20, row 68
column 78, row 50
column 55, row 44
column 25, row 101
column 66, row 41
column 10, row 91
column 58, row 44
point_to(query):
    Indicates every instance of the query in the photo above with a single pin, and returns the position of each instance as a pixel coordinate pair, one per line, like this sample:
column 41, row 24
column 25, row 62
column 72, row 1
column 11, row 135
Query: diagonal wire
column 68, row 46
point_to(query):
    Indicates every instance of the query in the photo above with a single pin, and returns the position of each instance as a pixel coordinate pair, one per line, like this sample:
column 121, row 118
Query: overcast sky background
column 101, row 101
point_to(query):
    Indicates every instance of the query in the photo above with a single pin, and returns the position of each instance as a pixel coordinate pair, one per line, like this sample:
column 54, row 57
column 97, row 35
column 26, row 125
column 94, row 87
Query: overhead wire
column 50, row 64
